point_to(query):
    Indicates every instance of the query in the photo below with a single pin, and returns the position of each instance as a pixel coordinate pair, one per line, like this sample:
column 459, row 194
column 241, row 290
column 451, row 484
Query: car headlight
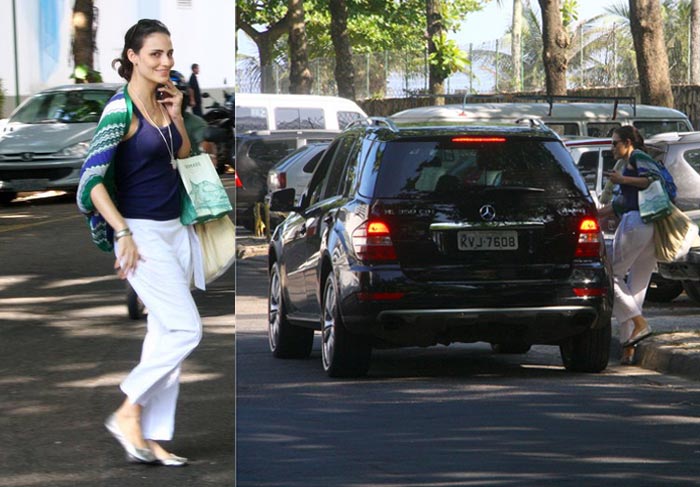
column 76, row 150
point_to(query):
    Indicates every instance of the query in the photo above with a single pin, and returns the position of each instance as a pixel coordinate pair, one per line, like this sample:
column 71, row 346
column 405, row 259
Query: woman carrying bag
column 130, row 191
column 634, row 256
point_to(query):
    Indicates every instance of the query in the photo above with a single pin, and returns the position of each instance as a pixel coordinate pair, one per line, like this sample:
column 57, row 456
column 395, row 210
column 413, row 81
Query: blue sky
column 493, row 21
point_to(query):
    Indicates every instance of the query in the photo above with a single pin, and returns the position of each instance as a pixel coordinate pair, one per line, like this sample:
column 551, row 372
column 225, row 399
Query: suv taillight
column 590, row 239
column 372, row 242
column 277, row 180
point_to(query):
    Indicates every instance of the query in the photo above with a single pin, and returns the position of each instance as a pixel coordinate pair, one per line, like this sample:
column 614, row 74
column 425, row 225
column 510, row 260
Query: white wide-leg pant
column 633, row 256
column 162, row 281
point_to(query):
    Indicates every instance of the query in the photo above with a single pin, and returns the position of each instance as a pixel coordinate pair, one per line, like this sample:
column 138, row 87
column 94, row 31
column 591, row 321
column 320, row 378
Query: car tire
column 134, row 305
column 286, row 340
column 663, row 290
column 692, row 289
column 511, row 347
column 6, row 197
column 589, row 351
column 344, row 354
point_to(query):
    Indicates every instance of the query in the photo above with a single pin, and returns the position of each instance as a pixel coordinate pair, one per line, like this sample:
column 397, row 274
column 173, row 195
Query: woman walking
column 129, row 188
column 633, row 247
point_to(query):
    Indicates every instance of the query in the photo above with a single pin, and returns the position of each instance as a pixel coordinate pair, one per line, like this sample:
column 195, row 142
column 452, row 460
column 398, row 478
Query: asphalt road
column 454, row 416
column 66, row 343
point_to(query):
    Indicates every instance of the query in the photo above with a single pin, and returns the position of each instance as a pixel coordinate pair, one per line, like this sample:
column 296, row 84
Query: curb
column 676, row 353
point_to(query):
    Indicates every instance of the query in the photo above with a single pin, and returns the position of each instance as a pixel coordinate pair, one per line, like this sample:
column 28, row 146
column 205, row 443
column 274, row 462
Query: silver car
column 295, row 170
column 45, row 141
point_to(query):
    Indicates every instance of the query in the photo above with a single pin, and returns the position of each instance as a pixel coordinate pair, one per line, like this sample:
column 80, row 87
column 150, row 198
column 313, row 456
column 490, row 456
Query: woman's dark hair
column 133, row 39
column 628, row 132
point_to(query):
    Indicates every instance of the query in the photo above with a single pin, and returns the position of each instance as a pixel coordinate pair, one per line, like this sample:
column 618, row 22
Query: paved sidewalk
column 673, row 349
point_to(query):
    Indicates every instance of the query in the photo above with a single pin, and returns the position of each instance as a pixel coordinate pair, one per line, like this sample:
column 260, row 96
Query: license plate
column 479, row 240
column 29, row 184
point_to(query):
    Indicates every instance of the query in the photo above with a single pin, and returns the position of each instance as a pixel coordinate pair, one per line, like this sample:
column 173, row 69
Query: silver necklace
column 171, row 147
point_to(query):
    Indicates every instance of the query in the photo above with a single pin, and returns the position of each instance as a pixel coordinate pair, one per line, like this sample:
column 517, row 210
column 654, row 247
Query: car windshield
column 78, row 106
column 446, row 168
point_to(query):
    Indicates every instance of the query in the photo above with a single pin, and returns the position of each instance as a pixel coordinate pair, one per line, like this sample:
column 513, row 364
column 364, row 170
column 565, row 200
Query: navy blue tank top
column 630, row 193
column 147, row 185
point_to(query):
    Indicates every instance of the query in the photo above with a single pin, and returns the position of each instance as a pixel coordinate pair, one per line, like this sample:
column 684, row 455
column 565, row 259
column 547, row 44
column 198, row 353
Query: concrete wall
column 202, row 32
column 687, row 100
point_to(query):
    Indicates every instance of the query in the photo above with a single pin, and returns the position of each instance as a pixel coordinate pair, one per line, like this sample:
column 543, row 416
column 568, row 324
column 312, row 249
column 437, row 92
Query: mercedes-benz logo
column 27, row 156
column 487, row 212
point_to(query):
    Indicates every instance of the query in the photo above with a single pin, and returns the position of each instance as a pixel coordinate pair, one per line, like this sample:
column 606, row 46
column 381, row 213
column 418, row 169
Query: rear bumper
column 545, row 312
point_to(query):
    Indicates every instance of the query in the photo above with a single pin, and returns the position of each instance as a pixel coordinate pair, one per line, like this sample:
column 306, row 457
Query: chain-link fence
column 598, row 57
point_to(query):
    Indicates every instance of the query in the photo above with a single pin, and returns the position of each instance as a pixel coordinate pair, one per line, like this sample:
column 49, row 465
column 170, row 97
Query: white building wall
column 202, row 33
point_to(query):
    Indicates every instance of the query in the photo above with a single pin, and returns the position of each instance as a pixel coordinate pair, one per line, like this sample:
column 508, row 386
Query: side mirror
column 283, row 200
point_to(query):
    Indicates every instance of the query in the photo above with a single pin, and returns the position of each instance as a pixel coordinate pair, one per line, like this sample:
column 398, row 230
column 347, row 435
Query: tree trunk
column 695, row 42
column 83, row 37
column 555, row 41
column 344, row 70
column 265, row 42
column 268, row 81
column 652, row 60
column 300, row 77
column 516, row 50
column 436, row 82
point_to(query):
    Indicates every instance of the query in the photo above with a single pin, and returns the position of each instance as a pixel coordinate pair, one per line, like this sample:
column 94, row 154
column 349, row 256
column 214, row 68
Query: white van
column 263, row 111
column 567, row 119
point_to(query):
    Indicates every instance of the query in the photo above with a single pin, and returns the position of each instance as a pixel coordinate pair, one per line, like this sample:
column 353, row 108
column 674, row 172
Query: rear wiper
column 528, row 189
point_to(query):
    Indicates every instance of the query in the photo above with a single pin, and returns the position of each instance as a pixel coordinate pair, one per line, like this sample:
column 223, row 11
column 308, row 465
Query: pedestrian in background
column 195, row 93
column 130, row 180
column 634, row 257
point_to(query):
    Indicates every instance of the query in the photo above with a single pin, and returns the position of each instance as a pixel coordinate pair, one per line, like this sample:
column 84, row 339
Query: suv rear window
column 434, row 169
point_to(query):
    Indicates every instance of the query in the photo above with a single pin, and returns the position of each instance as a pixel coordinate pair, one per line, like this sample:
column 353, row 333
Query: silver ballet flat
column 171, row 461
column 144, row 455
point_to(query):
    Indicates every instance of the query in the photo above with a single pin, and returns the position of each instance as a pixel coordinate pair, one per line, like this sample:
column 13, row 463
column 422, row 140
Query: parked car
column 568, row 116
column 295, row 170
column 422, row 235
column 593, row 156
column 266, row 111
column 44, row 143
column 680, row 152
column 256, row 154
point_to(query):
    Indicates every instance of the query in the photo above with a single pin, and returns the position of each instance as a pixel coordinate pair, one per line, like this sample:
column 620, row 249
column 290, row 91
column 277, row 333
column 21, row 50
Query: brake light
column 277, row 180
column 590, row 239
column 477, row 140
column 372, row 242
column 589, row 292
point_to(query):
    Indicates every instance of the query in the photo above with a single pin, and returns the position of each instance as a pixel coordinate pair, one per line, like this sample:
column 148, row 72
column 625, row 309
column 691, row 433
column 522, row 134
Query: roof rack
column 615, row 100
column 534, row 122
column 385, row 122
column 357, row 121
column 376, row 121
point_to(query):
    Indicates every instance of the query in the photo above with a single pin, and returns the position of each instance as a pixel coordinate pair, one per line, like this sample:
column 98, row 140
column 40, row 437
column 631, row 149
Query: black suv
column 415, row 236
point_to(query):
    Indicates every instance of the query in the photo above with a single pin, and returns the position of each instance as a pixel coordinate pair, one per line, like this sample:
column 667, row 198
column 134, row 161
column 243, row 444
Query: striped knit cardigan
column 99, row 168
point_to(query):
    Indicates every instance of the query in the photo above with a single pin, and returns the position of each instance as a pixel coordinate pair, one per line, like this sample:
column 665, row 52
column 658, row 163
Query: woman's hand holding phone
column 170, row 97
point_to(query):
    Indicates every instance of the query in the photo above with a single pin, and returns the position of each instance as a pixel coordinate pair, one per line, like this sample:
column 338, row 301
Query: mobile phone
column 161, row 95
